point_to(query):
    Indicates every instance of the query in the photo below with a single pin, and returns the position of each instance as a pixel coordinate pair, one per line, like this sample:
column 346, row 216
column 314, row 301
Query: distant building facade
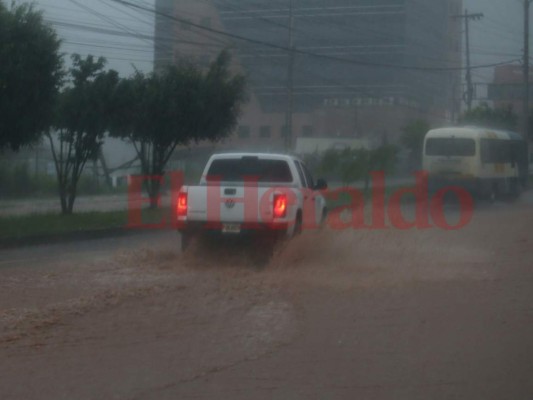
column 507, row 88
column 362, row 68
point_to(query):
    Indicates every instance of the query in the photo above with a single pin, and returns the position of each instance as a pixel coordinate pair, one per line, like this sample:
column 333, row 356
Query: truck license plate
column 231, row 228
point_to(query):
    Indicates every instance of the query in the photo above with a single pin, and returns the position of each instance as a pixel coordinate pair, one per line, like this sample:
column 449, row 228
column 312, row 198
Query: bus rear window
column 450, row 147
column 236, row 170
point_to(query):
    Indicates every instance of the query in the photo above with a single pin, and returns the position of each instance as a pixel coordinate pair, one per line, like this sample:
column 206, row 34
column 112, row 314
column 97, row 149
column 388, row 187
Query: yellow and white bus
column 488, row 162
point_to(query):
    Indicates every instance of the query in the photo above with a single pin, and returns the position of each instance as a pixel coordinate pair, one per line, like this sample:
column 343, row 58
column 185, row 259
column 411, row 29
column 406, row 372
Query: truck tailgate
column 230, row 204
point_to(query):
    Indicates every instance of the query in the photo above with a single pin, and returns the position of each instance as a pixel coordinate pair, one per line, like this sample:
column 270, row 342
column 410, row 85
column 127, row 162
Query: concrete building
column 361, row 69
column 507, row 88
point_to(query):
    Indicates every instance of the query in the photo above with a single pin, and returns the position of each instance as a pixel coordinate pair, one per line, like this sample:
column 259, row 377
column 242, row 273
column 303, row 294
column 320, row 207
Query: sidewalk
column 389, row 182
column 118, row 202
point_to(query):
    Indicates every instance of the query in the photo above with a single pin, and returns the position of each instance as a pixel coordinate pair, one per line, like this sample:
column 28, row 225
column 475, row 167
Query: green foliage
column 412, row 138
column 16, row 181
column 82, row 117
column 383, row 159
column 52, row 224
column 329, row 164
column 21, row 178
column 180, row 105
column 37, row 225
column 487, row 117
column 30, row 75
column 413, row 135
column 352, row 165
column 223, row 96
column 313, row 162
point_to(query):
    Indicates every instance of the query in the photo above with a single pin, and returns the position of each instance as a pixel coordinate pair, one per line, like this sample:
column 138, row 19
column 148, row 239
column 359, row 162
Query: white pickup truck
column 251, row 194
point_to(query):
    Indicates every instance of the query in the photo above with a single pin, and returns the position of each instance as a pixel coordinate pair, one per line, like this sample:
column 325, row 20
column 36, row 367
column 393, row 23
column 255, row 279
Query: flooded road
column 336, row 314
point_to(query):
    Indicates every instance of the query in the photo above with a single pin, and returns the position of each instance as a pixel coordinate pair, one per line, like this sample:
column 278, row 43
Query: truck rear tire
column 298, row 224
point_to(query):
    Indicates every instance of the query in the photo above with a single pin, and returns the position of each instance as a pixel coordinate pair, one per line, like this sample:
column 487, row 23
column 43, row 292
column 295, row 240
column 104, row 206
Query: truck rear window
column 236, row 170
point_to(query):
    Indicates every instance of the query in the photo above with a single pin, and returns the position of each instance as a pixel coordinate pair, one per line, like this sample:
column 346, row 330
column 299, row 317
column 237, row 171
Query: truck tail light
column 280, row 205
column 182, row 204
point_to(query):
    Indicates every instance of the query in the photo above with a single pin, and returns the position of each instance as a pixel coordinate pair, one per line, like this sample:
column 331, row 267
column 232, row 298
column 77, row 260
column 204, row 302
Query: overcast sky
column 104, row 28
column 498, row 36
column 495, row 38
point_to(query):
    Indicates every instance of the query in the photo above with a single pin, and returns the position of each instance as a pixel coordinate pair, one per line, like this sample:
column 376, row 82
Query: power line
column 121, row 33
column 299, row 51
column 469, row 86
column 173, row 40
column 380, row 34
column 253, row 53
column 135, row 17
column 109, row 20
column 525, row 115
column 290, row 79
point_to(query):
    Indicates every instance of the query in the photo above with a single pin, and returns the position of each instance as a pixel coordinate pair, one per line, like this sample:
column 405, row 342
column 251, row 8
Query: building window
column 307, row 131
column 265, row 132
column 244, row 132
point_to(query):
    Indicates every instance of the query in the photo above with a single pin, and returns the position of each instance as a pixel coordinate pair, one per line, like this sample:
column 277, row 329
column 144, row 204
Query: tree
column 82, row 118
column 381, row 159
column 487, row 117
column 412, row 138
column 329, row 163
column 352, row 165
column 180, row 105
column 30, row 75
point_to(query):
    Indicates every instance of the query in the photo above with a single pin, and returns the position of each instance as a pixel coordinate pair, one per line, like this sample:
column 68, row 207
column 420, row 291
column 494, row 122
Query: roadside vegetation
column 18, row 181
column 31, row 73
column 355, row 165
column 42, row 226
column 412, row 138
column 81, row 119
column 495, row 118
column 76, row 109
column 18, row 227
column 345, row 199
column 155, row 113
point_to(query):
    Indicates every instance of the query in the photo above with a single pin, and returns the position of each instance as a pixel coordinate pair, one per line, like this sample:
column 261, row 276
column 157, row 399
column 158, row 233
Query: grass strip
column 51, row 224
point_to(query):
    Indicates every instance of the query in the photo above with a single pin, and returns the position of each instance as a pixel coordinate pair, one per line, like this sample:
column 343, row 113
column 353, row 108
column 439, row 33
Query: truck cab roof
column 269, row 156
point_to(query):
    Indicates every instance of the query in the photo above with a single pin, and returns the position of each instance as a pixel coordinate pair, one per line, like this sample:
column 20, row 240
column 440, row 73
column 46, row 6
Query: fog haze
column 494, row 39
column 498, row 37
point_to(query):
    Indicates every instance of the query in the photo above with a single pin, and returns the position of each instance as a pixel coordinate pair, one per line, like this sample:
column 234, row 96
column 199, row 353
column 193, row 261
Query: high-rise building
column 361, row 68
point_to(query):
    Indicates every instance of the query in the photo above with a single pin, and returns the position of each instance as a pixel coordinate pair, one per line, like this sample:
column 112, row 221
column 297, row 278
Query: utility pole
column 290, row 81
column 469, row 86
column 525, row 110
